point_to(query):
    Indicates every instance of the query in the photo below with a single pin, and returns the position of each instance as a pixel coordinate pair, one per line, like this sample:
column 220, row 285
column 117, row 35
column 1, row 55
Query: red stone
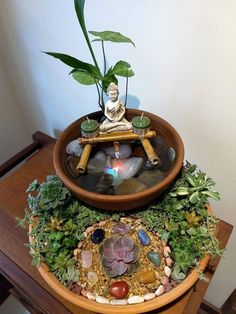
column 119, row 289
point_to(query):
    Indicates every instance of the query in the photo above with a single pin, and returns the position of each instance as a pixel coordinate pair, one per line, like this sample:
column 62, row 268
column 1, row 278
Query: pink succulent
column 119, row 255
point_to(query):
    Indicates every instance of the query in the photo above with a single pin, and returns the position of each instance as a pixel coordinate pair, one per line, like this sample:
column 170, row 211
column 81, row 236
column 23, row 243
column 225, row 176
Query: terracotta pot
column 118, row 202
column 147, row 306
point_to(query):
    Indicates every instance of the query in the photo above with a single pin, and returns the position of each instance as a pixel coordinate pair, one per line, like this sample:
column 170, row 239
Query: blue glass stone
column 143, row 237
column 97, row 236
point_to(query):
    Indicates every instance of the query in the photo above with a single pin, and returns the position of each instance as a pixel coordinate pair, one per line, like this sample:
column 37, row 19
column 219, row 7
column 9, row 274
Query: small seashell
column 136, row 299
column 159, row 290
column 102, row 300
column 90, row 296
column 149, row 296
column 167, row 251
column 167, row 271
column 119, row 301
column 169, row 261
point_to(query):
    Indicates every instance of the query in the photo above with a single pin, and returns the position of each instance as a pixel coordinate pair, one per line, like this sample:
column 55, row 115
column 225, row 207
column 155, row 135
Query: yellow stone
column 146, row 276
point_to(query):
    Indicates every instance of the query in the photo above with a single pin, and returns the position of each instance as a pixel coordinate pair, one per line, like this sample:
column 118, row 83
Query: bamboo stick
column 81, row 167
column 116, row 136
column 152, row 156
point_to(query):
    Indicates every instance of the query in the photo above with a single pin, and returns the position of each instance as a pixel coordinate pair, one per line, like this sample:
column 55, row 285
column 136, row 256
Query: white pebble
column 159, row 290
column 135, row 299
column 167, row 251
column 169, row 261
column 149, row 296
column 119, row 301
column 102, row 223
column 90, row 296
column 76, row 252
column 102, row 300
column 89, row 229
column 167, row 271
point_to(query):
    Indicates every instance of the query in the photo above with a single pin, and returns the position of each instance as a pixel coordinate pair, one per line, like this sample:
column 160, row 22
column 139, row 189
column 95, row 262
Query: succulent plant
column 119, row 255
column 52, row 193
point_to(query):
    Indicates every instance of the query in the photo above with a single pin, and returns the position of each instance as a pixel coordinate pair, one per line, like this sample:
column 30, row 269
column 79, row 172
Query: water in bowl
column 121, row 172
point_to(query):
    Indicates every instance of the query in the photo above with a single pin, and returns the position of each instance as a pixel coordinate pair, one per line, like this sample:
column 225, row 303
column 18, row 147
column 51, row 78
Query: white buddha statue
column 114, row 112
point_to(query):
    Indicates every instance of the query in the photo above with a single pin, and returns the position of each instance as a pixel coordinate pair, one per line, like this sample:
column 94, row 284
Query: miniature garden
column 119, row 257
column 134, row 257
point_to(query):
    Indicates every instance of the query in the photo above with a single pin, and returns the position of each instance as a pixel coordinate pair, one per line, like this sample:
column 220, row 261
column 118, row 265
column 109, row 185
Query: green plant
column 182, row 219
column 90, row 74
column 61, row 221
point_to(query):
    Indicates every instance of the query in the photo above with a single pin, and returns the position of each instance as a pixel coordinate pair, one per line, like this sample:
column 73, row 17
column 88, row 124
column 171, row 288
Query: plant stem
column 99, row 98
column 104, row 58
column 126, row 90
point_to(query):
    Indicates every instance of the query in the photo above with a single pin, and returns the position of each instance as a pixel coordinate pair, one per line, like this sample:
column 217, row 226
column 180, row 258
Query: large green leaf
column 112, row 36
column 122, row 68
column 109, row 78
column 75, row 63
column 83, row 77
column 194, row 198
column 79, row 8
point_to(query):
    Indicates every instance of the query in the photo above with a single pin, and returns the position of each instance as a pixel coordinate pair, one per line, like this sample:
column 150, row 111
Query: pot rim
column 119, row 199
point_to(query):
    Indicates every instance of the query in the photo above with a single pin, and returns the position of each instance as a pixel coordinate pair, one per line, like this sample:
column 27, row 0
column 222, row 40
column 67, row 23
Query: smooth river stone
column 97, row 236
column 130, row 167
column 125, row 151
column 149, row 296
column 104, row 183
column 136, row 299
column 167, row 157
column 119, row 289
column 92, row 278
column 102, row 300
column 72, row 162
column 171, row 154
column 167, row 271
column 119, row 302
column 144, row 237
column 96, row 166
column 87, row 259
column 151, row 177
column 154, row 257
column 90, row 296
column 74, row 148
column 100, row 155
column 159, row 290
column 146, row 276
column 130, row 186
column 88, row 181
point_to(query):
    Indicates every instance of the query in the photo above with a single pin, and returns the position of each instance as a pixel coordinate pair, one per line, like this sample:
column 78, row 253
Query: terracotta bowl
column 147, row 306
column 118, row 202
